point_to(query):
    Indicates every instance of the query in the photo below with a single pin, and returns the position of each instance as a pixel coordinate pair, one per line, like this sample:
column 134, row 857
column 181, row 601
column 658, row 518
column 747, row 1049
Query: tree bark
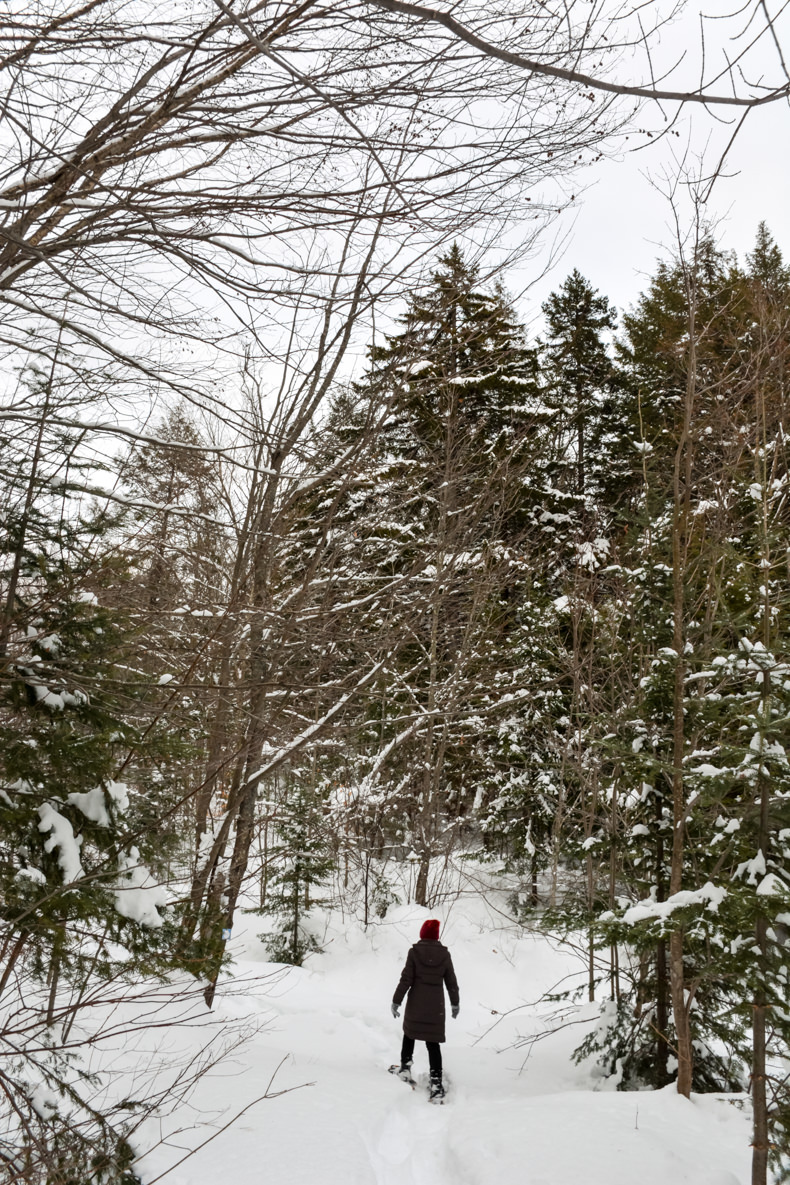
column 533, row 894
column 16, row 951
column 16, row 566
column 680, row 1012
column 760, row 1141
column 682, row 479
column 662, row 995
column 760, row 1144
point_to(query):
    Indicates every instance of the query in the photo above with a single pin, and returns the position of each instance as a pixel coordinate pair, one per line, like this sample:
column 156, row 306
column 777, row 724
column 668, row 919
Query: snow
column 51, row 699
column 649, row 910
column 733, row 825
column 93, row 803
column 760, row 744
column 137, row 895
column 592, row 555
column 43, row 1101
column 771, row 886
column 118, row 792
column 753, row 868
column 64, row 839
column 324, row 1036
column 709, row 771
column 35, row 875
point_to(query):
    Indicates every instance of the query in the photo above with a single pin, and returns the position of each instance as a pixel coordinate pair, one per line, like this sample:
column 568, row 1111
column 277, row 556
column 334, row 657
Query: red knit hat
column 430, row 930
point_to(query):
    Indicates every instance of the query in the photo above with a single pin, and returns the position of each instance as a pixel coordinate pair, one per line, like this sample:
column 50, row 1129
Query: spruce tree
column 302, row 862
column 83, row 789
column 462, row 431
column 735, row 877
column 581, row 387
column 433, row 510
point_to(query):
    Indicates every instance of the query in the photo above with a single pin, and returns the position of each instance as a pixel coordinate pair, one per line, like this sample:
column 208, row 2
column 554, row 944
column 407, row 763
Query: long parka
column 428, row 970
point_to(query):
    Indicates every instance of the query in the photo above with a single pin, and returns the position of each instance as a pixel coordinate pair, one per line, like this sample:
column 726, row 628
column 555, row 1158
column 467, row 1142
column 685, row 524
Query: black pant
column 434, row 1055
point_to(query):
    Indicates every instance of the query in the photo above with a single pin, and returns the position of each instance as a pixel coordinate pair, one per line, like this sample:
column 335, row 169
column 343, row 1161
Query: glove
column 456, row 1008
column 395, row 1011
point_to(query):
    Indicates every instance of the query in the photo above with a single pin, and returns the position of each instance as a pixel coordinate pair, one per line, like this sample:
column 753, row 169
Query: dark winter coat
column 428, row 970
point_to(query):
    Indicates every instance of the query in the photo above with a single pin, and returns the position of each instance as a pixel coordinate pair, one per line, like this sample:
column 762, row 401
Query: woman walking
column 428, row 970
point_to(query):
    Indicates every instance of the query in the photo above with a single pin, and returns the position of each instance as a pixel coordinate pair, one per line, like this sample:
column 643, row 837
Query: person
column 428, row 971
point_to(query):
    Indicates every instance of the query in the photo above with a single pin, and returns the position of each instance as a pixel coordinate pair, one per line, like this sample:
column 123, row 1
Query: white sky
column 623, row 224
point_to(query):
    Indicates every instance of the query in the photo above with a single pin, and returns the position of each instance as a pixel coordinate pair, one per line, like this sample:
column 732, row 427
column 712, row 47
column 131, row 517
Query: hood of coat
column 430, row 953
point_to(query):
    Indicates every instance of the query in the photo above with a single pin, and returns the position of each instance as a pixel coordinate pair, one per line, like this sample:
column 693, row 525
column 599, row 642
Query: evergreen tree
column 302, row 864
column 735, row 878
column 73, row 714
column 83, row 791
column 465, row 413
column 462, row 369
column 581, row 387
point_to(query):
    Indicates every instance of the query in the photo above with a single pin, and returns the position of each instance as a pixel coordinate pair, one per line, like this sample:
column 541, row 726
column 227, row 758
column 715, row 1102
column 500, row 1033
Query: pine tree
column 581, row 386
column 456, row 446
column 74, row 836
column 302, row 864
column 735, row 875
column 83, row 789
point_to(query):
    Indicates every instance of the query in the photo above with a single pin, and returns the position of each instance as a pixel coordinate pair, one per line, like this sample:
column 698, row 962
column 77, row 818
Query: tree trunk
column 591, row 931
column 264, row 885
column 295, row 921
column 760, row 1004
column 217, row 745
column 662, row 1015
column 211, row 934
column 245, row 831
column 760, row 1144
column 682, row 480
column 580, row 447
column 421, row 887
column 680, row 1012
column 203, row 875
column 662, row 994
column 676, row 971
column 19, row 549
column 16, row 951
column 54, row 978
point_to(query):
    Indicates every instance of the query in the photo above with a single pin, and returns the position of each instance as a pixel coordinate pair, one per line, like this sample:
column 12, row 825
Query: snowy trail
column 346, row 1121
column 414, row 1145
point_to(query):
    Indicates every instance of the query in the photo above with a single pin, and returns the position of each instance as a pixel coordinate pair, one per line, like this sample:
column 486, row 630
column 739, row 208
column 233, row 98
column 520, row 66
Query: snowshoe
column 437, row 1092
column 404, row 1073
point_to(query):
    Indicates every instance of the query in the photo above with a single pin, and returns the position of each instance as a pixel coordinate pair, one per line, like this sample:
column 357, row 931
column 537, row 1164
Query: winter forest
column 344, row 584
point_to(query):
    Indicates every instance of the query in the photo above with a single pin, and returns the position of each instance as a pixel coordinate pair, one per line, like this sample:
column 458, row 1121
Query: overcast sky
column 617, row 233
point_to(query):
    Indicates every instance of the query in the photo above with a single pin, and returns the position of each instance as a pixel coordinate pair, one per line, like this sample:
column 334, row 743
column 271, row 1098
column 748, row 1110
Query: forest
column 330, row 582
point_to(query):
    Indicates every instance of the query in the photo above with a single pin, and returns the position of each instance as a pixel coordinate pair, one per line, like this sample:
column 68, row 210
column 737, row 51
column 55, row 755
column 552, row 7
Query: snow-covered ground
column 324, row 1036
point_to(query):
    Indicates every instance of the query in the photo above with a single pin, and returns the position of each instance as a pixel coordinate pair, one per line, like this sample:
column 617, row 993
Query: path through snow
column 346, row 1121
